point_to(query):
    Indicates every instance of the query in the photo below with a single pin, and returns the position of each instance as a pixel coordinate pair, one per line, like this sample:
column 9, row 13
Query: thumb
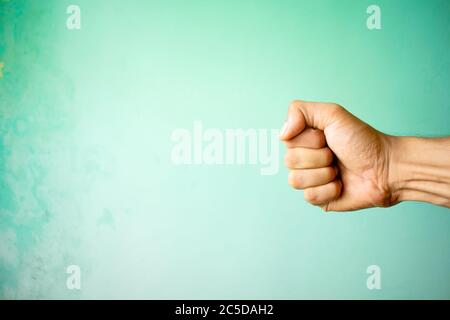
column 303, row 114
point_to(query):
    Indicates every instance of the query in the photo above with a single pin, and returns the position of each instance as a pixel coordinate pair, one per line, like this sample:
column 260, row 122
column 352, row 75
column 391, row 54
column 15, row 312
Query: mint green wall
column 85, row 171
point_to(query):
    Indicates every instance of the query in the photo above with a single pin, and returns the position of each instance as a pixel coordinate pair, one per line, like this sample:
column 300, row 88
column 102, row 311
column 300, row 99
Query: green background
column 85, row 171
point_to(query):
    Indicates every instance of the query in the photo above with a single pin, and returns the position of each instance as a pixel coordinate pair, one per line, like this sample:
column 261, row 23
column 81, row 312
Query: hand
column 344, row 164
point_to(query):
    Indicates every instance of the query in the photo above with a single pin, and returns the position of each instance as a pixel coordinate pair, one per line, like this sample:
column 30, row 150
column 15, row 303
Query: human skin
column 343, row 164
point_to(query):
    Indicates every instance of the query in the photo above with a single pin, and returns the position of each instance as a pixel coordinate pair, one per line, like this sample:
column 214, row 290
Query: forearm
column 420, row 169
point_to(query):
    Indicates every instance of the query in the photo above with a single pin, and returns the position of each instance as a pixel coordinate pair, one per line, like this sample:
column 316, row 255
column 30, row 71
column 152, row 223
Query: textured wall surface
column 86, row 176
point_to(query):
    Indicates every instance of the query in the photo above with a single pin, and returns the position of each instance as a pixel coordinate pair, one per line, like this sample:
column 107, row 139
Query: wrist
column 399, row 148
column 419, row 169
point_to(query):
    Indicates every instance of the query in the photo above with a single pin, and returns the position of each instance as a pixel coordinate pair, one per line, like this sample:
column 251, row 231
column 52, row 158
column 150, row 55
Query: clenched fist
column 344, row 164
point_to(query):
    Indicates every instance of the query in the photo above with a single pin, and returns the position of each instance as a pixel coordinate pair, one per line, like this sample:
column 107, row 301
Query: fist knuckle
column 290, row 159
column 336, row 107
column 310, row 196
column 287, row 159
column 295, row 180
column 294, row 103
